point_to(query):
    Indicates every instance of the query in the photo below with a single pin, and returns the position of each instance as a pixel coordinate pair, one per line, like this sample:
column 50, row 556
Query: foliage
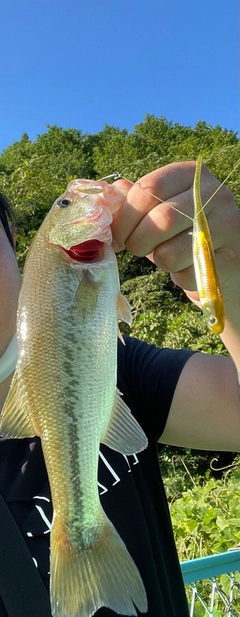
column 206, row 518
column 182, row 468
column 130, row 266
column 205, row 515
column 160, row 316
column 188, row 330
column 153, row 306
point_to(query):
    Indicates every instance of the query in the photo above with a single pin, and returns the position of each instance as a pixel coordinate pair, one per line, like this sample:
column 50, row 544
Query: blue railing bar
column 207, row 567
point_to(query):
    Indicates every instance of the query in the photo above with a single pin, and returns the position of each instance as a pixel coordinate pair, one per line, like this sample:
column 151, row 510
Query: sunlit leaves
column 206, row 518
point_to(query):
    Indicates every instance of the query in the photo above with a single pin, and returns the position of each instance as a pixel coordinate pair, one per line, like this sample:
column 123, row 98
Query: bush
column 206, row 518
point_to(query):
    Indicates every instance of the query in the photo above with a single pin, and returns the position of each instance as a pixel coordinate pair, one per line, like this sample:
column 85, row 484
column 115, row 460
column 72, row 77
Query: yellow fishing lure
column 207, row 278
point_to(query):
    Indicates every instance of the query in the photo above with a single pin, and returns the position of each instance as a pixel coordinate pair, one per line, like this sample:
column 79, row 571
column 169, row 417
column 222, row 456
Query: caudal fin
column 84, row 579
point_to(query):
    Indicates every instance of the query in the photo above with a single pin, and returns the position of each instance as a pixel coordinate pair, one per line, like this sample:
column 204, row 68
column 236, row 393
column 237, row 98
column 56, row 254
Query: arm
column 205, row 411
column 10, row 282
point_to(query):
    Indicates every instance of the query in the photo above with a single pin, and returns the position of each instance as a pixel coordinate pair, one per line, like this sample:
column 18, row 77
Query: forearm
column 231, row 293
column 7, row 363
column 10, row 282
column 231, row 333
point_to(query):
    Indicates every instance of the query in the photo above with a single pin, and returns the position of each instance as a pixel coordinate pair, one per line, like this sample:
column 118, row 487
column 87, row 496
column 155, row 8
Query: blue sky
column 86, row 63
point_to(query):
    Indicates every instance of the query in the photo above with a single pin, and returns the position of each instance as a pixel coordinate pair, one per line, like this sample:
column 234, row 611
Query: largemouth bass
column 64, row 391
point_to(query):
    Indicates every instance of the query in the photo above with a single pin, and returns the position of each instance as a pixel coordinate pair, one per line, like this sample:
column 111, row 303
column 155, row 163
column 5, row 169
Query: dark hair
column 7, row 217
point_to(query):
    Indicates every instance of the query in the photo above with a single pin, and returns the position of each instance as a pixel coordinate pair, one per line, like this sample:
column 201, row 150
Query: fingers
column 174, row 254
column 227, row 267
column 145, row 196
column 156, row 215
column 148, row 213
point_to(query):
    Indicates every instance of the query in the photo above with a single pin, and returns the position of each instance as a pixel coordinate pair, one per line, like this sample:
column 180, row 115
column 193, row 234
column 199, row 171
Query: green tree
column 111, row 152
column 203, row 139
column 15, row 155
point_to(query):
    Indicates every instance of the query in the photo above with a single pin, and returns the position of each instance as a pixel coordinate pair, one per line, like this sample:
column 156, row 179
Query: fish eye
column 64, row 202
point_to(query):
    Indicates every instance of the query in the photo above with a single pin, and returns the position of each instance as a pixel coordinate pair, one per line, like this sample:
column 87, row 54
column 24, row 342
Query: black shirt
column 130, row 488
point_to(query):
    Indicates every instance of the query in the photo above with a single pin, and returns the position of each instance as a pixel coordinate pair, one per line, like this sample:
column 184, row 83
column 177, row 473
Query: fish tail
column 101, row 573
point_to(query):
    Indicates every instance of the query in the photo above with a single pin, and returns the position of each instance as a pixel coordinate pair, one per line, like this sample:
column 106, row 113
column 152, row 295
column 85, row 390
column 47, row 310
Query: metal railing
column 213, row 585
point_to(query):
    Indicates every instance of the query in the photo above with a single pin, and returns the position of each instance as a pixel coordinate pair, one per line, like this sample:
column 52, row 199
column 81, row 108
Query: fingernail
column 115, row 246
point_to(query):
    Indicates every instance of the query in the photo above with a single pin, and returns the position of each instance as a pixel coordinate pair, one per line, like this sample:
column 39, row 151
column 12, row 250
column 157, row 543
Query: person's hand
column 151, row 226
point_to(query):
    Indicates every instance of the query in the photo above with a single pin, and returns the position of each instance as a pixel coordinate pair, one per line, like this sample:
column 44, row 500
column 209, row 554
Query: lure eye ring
column 212, row 320
column 63, row 203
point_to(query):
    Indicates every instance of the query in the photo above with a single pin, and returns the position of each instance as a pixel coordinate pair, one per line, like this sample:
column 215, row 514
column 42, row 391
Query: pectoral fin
column 15, row 421
column 124, row 309
column 87, row 295
column 124, row 434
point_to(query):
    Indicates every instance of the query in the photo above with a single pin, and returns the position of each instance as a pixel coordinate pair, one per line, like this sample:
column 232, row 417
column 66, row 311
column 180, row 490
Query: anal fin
column 124, row 433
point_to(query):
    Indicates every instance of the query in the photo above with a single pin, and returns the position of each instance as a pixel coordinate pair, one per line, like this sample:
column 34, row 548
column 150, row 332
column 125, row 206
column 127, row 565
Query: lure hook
column 115, row 176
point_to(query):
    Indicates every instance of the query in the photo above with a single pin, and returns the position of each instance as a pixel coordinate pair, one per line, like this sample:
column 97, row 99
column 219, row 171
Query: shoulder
column 138, row 358
column 147, row 376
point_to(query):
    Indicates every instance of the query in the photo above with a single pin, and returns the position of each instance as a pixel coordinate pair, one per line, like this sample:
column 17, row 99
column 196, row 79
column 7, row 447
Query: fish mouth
column 85, row 251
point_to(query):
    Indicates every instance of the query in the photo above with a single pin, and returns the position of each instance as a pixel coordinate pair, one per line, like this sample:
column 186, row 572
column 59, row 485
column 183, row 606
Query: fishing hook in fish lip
column 115, row 176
